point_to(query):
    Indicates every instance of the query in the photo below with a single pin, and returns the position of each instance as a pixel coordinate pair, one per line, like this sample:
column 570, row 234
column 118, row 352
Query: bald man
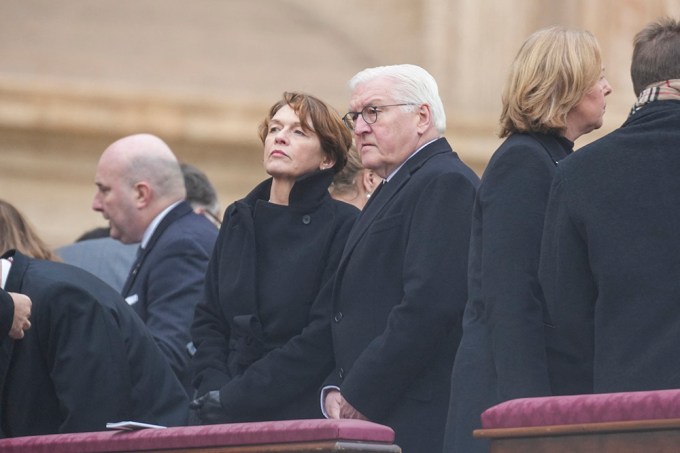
column 141, row 192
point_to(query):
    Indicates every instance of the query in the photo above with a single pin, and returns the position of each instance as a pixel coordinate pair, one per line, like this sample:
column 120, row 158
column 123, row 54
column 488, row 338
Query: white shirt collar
column 412, row 154
column 5, row 265
column 154, row 224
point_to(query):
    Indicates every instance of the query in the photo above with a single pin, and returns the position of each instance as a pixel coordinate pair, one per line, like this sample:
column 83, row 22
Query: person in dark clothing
column 401, row 285
column 141, row 192
column 15, row 232
column 15, row 314
column 610, row 255
column 502, row 352
column 276, row 249
column 87, row 360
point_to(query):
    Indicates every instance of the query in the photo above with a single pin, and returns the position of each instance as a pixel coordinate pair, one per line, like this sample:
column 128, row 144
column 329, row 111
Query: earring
column 368, row 194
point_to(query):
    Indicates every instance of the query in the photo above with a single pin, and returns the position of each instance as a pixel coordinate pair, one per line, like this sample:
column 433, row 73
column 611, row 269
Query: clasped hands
column 209, row 408
column 337, row 407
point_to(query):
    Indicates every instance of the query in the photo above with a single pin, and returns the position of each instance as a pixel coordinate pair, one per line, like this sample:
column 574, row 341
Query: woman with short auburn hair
column 554, row 94
column 276, row 249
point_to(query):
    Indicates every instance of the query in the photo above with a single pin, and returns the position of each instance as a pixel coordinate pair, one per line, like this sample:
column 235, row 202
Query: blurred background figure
column 201, row 194
column 277, row 248
column 141, row 192
column 354, row 184
column 555, row 93
column 98, row 253
column 87, row 360
column 17, row 233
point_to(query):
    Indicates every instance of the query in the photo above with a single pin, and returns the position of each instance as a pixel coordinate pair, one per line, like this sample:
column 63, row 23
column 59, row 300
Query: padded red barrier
column 578, row 409
column 288, row 431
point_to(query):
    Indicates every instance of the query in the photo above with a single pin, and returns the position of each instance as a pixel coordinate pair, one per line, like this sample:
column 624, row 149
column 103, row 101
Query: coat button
column 337, row 317
column 306, row 219
column 341, row 373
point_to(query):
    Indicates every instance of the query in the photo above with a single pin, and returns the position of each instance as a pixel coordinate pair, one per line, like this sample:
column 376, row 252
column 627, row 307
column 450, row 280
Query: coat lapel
column 389, row 191
column 182, row 209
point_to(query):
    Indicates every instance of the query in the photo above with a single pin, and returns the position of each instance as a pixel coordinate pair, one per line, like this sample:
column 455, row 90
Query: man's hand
column 337, row 407
column 332, row 403
column 22, row 314
column 209, row 408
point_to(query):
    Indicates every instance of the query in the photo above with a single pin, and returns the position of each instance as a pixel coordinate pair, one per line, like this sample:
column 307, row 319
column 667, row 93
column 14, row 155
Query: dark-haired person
column 276, row 248
column 610, row 256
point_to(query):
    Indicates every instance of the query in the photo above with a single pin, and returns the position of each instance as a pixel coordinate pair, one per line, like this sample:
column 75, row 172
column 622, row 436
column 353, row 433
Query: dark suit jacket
column 610, row 262
column 87, row 359
column 6, row 313
column 269, row 264
column 167, row 282
column 399, row 296
column 502, row 353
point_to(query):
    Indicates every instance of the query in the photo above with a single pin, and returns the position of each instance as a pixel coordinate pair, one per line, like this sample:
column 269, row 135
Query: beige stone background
column 77, row 74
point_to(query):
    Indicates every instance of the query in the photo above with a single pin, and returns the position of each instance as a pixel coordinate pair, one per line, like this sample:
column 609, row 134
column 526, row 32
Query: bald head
column 145, row 157
column 137, row 177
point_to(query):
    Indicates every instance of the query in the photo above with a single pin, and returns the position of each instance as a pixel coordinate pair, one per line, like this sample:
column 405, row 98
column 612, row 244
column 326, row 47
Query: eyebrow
column 297, row 123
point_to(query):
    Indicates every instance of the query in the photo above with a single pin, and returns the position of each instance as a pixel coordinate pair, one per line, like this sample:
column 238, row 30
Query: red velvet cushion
column 576, row 409
column 202, row 436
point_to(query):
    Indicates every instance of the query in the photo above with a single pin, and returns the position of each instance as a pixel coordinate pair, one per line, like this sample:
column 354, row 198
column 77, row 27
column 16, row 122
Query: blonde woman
column 554, row 94
column 354, row 184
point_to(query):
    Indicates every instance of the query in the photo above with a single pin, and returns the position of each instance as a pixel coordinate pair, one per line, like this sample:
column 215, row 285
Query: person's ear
column 327, row 162
column 370, row 180
column 142, row 193
column 424, row 118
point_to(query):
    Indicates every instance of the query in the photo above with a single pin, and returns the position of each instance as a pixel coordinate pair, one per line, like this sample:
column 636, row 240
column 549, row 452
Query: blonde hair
column 552, row 71
column 344, row 182
column 17, row 233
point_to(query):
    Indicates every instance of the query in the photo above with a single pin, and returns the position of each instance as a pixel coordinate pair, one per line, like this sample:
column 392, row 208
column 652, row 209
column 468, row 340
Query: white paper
column 129, row 425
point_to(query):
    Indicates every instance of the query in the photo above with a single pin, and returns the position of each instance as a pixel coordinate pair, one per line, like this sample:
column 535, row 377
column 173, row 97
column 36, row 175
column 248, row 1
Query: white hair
column 413, row 84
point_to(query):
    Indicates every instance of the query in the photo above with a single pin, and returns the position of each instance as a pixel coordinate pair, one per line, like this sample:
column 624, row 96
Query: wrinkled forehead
column 376, row 91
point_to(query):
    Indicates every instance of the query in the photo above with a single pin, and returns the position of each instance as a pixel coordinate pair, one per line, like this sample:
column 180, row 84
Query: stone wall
column 77, row 74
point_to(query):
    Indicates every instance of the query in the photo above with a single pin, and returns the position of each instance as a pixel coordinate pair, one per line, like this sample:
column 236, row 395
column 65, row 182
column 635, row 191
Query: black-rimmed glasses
column 368, row 113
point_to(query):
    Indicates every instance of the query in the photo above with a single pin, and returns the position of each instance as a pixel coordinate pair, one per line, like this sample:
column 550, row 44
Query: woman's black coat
column 502, row 353
column 269, row 264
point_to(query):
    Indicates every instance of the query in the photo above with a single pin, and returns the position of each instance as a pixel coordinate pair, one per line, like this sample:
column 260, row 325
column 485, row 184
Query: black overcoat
column 6, row 313
column 610, row 261
column 86, row 360
column 259, row 315
column 502, row 352
column 399, row 297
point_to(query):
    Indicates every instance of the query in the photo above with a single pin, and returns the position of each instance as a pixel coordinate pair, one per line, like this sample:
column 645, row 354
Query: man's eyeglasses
column 368, row 113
